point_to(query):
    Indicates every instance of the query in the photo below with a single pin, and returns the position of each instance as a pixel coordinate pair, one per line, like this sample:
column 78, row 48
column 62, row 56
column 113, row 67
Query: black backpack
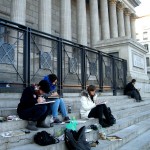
column 112, row 119
column 43, row 138
column 76, row 140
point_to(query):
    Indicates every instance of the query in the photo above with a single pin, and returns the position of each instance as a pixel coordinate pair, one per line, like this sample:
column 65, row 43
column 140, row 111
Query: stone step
column 142, row 142
column 127, row 134
column 7, row 143
column 128, row 121
column 19, row 124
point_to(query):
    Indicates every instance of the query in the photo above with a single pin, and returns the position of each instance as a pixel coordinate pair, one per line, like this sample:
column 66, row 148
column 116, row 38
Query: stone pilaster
column 66, row 19
column 127, row 23
column 113, row 19
column 94, row 22
column 105, row 31
column 45, row 16
column 120, row 15
column 18, row 11
column 133, row 32
column 81, row 22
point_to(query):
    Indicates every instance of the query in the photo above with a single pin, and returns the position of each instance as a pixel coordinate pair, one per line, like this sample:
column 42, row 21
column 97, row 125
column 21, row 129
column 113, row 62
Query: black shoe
column 32, row 126
column 104, row 125
column 57, row 121
column 141, row 100
column 67, row 119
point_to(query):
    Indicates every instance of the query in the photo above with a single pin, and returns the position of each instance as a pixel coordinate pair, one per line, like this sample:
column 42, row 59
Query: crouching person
column 27, row 110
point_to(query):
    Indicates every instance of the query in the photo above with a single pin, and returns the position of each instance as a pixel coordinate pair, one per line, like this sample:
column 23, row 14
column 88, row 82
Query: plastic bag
column 72, row 125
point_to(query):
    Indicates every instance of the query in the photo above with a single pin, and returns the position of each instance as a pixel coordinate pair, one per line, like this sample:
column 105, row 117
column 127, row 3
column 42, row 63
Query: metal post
column 59, row 66
column 125, row 72
column 100, row 61
column 114, row 77
column 83, row 69
column 25, row 58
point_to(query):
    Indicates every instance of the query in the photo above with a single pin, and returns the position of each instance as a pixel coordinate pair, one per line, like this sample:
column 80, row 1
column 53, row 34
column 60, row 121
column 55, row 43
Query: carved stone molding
column 133, row 16
column 112, row 2
column 120, row 6
column 127, row 12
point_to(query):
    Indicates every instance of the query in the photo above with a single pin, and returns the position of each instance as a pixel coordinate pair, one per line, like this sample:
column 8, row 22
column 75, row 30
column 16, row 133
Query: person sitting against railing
column 130, row 90
column 27, row 108
column 91, row 109
column 59, row 102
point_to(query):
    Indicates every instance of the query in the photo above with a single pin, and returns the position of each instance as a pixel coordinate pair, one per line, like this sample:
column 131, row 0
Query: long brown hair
column 91, row 88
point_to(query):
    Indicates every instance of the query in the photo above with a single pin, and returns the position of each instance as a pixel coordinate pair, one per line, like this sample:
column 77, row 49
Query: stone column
column 120, row 15
column 45, row 16
column 94, row 22
column 81, row 22
column 113, row 19
column 133, row 32
column 18, row 11
column 105, row 31
column 66, row 19
column 127, row 23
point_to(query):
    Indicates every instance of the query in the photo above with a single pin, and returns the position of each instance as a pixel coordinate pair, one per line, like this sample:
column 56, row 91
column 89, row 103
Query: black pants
column 36, row 113
column 98, row 112
column 135, row 94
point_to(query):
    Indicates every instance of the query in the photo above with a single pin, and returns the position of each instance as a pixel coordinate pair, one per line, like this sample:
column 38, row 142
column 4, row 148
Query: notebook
column 113, row 138
column 45, row 102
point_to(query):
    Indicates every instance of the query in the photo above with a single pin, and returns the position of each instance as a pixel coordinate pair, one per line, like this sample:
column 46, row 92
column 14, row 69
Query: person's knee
column 42, row 109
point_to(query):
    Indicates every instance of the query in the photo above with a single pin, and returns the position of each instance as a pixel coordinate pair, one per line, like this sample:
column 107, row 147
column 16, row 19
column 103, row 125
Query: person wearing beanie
column 27, row 110
column 59, row 102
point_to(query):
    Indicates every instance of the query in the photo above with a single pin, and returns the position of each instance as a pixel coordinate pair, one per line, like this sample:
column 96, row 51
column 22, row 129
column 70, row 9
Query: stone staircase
column 133, row 124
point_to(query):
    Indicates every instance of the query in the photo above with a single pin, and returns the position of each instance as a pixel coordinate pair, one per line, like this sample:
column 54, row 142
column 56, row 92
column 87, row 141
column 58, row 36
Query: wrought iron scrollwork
column 73, row 65
column 108, row 71
column 45, row 60
column 93, row 68
column 7, row 53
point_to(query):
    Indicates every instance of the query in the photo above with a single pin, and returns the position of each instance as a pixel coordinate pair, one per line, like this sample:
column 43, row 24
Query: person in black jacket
column 130, row 90
column 27, row 110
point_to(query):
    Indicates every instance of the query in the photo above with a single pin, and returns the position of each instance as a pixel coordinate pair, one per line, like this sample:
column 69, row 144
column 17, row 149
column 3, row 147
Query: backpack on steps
column 43, row 138
column 76, row 140
column 112, row 119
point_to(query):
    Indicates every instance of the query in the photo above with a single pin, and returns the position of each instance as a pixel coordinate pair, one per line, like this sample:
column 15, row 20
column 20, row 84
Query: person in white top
column 91, row 109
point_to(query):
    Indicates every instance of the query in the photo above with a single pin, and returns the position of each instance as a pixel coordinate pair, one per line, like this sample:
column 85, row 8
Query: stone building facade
column 82, row 21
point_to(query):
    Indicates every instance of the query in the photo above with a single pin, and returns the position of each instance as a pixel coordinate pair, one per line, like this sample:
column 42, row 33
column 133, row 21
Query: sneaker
column 67, row 119
column 104, row 125
column 56, row 120
column 32, row 126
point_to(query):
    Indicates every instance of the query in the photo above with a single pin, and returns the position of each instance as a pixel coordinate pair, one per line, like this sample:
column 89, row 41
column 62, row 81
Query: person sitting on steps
column 27, row 110
column 59, row 102
column 91, row 109
column 130, row 90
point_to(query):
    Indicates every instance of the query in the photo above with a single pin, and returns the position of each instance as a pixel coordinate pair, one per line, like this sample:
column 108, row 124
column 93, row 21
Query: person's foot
column 104, row 125
column 32, row 126
column 57, row 121
column 67, row 119
column 141, row 100
column 42, row 125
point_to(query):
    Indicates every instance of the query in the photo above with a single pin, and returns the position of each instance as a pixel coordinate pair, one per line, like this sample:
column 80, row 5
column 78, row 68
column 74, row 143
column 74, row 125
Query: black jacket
column 28, row 99
column 129, row 87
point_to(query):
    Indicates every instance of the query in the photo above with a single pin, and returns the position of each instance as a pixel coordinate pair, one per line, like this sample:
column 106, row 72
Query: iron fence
column 27, row 55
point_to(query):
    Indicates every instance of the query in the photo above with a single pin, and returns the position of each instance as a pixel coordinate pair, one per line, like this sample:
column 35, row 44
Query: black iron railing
column 26, row 55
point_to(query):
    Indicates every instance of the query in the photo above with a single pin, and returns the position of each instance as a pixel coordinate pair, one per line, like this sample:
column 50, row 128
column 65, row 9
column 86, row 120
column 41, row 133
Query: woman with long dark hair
column 91, row 109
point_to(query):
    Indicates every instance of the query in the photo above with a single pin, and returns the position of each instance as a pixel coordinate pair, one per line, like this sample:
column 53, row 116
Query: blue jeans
column 59, row 103
column 36, row 113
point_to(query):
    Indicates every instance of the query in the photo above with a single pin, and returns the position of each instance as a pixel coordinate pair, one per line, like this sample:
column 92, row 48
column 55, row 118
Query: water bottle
column 69, row 109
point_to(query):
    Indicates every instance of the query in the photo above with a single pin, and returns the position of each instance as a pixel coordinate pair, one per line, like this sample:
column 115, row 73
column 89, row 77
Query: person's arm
column 85, row 104
column 28, row 97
